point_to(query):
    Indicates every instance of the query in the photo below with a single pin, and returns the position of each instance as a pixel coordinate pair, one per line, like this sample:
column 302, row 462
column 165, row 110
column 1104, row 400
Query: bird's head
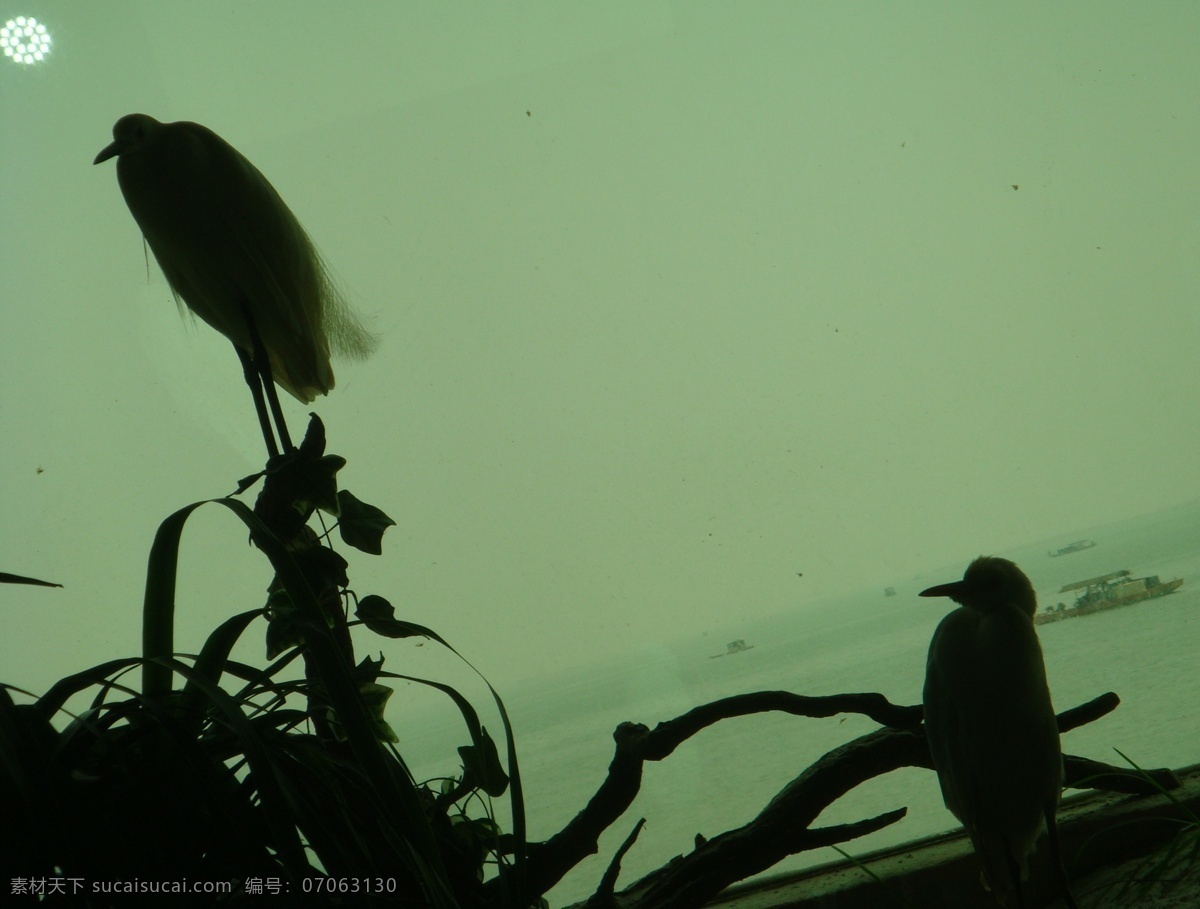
column 129, row 134
column 989, row 583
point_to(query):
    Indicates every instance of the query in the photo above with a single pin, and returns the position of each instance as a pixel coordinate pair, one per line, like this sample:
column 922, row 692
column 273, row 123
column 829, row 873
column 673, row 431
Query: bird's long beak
column 110, row 151
column 952, row 590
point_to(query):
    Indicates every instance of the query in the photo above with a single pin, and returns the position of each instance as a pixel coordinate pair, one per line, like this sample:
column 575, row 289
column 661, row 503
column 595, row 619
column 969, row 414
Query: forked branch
column 782, row 827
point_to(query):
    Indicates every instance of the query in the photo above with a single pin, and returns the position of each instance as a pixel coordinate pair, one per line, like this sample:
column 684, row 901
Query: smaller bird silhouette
column 233, row 251
column 990, row 722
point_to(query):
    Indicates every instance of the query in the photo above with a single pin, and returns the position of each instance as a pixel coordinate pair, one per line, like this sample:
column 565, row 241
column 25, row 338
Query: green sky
column 677, row 300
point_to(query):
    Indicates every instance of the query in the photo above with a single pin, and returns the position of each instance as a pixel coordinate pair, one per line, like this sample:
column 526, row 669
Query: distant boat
column 889, row 591
column 1108, row 591
column 1077, row 546
column 738, row 646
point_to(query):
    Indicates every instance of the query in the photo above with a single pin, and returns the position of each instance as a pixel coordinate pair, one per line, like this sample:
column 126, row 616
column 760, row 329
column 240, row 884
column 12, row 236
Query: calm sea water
column 725, row 775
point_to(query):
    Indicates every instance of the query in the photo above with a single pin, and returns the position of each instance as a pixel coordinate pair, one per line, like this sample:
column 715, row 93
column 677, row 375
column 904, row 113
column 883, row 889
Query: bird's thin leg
column 273, row 399
column 263, row 362
column 1014, row 871
column 255, row 382
column 1056, row 855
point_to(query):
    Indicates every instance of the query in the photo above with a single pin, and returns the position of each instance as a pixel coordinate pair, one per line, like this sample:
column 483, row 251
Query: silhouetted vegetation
column 285, row 776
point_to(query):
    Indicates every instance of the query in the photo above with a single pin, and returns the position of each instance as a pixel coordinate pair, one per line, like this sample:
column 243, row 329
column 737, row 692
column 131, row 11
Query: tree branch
column 782, row 827
column 636, row 744
column 603, row 897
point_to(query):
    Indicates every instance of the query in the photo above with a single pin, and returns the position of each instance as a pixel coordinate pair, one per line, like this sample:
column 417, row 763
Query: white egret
column 233, row 251
column 990, row 722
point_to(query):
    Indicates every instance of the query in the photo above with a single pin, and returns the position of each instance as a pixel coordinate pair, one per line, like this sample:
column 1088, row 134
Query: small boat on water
column 1077, row 546
column 738, row 646
column 1108, row 591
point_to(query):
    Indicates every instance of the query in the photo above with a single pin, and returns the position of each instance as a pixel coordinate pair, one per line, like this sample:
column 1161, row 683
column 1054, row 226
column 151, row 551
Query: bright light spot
column 24, row 40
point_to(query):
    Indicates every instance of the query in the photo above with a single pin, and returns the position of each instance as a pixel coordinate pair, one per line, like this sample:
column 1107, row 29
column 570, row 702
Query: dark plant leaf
column 210, row 664
column 313, row 445
column 380, row 616
column 282, row 635
column 321, row 483
column 376, row 697
column 298, row 483
column 323, row 568
column 368, row 669
column 52, row 701
column 246, row 482
column 6, row 578
column 361, row 525
column 482, row 767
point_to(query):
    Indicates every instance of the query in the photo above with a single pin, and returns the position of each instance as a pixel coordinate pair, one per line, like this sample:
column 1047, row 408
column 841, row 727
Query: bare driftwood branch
column 1088, row 712
column 636, row 744
column 1084, row 773
column 670, row 735
column 604, row 893
column 782, row 827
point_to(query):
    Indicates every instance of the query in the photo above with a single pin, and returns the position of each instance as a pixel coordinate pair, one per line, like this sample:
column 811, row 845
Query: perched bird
column 233, row 251
column 990, row 722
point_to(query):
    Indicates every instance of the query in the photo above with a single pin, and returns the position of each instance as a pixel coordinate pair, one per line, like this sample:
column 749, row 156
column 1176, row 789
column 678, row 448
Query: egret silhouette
column 991, row 725
column 234, row 253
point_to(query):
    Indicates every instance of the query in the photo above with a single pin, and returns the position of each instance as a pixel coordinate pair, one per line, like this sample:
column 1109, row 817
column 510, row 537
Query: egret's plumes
column 228, row 245
column 989, row 718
